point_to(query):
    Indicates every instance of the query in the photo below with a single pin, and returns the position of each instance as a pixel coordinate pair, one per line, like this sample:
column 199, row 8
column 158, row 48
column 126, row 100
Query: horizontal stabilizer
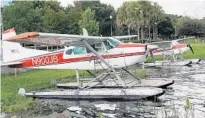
column 11, row 64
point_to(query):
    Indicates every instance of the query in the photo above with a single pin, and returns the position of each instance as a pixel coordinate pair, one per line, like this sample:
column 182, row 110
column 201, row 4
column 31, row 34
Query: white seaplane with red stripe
column 80, row 52
column 171, row 52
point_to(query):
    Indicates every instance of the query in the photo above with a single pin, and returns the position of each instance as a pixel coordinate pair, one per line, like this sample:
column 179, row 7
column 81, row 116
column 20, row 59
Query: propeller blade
column 190, row 48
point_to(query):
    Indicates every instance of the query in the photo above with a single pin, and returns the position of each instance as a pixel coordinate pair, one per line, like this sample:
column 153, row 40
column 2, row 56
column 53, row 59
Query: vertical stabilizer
column 13, row 51
column 8, row 33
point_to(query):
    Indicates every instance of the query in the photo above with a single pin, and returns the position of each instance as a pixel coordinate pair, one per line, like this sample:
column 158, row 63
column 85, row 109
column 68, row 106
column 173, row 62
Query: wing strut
column 103, row 61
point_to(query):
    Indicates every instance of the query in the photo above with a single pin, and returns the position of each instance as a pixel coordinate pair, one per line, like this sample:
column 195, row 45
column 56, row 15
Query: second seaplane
column 171, row 52
column 82, row 52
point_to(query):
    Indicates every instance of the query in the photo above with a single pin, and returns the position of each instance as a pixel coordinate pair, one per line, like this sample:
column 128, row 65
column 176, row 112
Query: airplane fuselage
column 173, row 48
column 125, row 54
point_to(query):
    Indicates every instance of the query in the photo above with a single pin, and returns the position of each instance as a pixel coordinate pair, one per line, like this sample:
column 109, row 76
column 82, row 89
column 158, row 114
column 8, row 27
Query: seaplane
column 172, row 51
column 82, row 52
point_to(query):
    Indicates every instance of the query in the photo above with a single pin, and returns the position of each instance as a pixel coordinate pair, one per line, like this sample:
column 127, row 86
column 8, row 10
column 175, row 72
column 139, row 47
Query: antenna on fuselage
column 85, row 32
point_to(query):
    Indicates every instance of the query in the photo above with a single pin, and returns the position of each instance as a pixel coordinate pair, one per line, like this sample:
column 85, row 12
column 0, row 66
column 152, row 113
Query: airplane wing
column 54, row 39
column 125, row 37
column 60, row 39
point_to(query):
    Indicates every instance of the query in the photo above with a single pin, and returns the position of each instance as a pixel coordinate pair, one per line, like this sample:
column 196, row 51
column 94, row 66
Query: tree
column 102, row 15
column 157, row 15
column 88, row 21
column 192, row 27
column 166, row 28
column 28, row 16
column 138, row 14
column 21, row 16
column 41, row 16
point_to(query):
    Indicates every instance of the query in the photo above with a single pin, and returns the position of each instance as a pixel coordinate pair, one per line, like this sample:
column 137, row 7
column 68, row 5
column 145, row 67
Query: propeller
column 188, row 45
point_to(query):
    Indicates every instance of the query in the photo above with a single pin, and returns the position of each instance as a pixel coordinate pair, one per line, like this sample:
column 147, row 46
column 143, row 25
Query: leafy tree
column 166, row 28
column 88, row 21
column 192, row 27
column 138, row 14
column 22, row 17
column 28, row 16
column 102, row 15
column 157, row 15
column 41, row 16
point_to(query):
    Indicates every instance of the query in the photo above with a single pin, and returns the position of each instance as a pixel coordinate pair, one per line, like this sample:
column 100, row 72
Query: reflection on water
column 189, row 83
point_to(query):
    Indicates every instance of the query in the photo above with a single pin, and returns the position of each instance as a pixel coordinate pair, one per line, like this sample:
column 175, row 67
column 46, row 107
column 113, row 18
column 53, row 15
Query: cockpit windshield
column 114, row 42
column 111, row 43
column 108, row 44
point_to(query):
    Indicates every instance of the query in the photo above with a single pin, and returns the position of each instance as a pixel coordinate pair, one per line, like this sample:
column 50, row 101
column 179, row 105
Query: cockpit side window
column 69, row 52
column 76, row 51
column 99, row 47
column 79, row 50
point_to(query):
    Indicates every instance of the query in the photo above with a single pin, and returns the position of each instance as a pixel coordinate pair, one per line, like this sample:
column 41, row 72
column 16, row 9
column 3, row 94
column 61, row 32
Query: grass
column 198, row 47
column 142, row 73
column 30, row 80
column 199, row 50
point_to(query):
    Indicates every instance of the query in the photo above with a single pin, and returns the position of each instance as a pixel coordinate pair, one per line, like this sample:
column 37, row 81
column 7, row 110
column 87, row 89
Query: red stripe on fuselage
column 58, row 58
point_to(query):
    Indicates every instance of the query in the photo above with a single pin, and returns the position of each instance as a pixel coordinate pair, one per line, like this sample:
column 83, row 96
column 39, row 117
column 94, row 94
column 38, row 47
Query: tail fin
column 8, row 33
column 12, row 51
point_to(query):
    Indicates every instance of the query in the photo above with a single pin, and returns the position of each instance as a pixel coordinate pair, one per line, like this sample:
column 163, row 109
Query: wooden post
column 16, row 72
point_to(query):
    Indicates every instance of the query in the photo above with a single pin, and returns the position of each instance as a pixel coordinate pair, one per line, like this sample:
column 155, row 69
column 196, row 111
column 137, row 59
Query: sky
column 191, row 8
